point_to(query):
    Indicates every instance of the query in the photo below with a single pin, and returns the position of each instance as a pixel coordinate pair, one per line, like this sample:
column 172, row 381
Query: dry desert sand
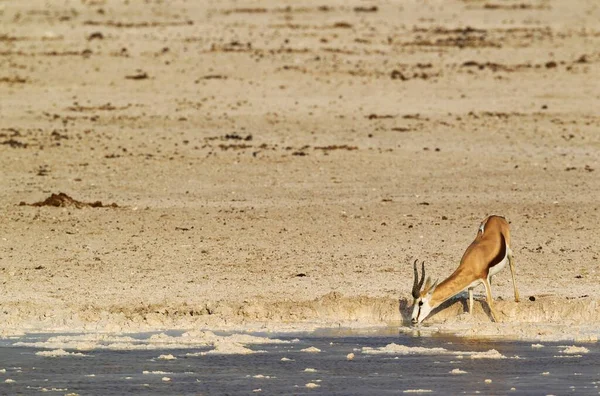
column 278, row 164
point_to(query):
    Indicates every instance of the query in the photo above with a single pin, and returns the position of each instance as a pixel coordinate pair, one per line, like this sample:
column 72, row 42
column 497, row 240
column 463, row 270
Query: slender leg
column 511, row 262
column 490, row 300
column 471, row 301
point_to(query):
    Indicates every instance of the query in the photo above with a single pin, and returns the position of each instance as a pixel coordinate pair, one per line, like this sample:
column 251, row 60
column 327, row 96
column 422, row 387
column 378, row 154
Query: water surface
column 282, row 368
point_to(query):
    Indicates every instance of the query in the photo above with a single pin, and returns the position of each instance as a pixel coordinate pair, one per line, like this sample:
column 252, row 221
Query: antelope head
column 422, row 298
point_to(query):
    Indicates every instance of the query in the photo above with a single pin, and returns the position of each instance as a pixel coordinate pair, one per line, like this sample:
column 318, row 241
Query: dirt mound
column 62, row 200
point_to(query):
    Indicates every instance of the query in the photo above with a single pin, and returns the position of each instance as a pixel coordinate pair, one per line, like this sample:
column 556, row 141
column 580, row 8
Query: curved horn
column 417, row 284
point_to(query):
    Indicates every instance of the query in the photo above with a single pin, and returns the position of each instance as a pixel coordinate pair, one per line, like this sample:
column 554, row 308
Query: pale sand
column 280, row 168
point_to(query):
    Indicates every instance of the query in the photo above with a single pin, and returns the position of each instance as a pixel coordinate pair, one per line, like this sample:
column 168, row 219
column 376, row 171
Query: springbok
column 484, row 258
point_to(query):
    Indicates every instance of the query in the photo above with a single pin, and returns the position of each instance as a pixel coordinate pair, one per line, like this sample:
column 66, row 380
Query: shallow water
column 524, row 369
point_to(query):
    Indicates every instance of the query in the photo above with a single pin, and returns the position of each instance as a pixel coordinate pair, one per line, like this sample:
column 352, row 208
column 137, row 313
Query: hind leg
column 511, row 262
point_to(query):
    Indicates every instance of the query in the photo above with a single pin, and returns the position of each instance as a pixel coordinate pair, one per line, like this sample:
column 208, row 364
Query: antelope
column 484, row 258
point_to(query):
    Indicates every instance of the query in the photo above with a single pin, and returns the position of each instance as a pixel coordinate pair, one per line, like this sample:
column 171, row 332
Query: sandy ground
column 280, row 163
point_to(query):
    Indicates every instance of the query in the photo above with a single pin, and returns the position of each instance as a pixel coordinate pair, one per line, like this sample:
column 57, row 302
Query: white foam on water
column 491, row 354
column 396, row 349
column 311, row 349
column 573, row 350
column 227, row 349
column 230, row 344
column 58, row 353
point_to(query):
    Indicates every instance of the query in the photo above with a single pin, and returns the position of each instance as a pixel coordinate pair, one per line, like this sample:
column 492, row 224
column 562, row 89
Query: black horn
column 418, row 283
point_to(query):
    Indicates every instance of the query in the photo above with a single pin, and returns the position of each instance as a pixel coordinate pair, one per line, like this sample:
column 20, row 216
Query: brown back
column 488, row 249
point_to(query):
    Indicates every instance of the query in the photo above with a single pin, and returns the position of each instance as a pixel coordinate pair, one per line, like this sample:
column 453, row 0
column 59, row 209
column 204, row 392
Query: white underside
column 498, row 267
column 493, row 271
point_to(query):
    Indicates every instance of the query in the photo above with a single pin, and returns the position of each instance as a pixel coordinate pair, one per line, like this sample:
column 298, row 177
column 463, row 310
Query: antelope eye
column 420, row 303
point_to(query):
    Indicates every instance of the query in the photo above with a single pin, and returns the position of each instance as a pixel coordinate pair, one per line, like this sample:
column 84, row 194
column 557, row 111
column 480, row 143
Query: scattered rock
column 140, row 75
column 235, row 136
column 13, row 80
column 95, row 36
column 14, row 143
column 342, row 25
column 214, row 77
column 366, row 9
column 397, row 75
column 336, row 147
column 377, row 116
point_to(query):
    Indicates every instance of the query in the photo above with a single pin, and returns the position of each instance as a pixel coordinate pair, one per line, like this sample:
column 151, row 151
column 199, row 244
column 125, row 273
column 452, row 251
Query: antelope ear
column 427, row 284
column 430, row 291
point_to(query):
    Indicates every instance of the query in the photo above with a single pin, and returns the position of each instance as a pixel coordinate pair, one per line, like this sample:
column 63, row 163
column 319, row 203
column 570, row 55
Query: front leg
column 490, row 300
